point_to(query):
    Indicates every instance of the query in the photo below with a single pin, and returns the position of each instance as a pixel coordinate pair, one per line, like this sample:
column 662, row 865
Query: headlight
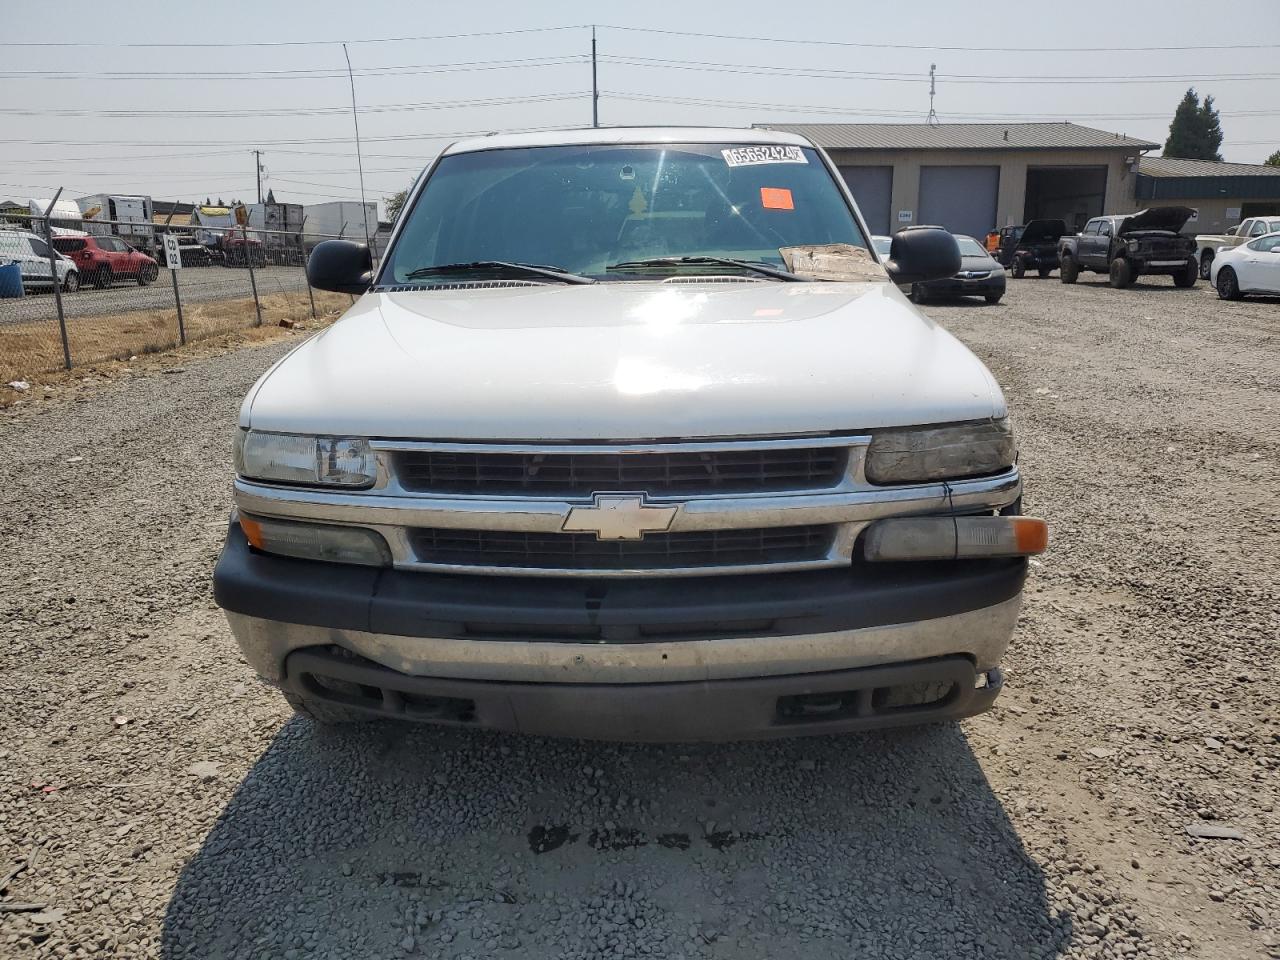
column 292, row 458
column 316, row 541
column 924, row 454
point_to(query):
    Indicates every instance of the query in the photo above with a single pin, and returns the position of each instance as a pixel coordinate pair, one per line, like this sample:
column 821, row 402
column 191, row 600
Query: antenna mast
column 355, row 119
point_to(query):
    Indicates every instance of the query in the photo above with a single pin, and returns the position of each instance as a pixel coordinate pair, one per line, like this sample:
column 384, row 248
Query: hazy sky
column 180, row 122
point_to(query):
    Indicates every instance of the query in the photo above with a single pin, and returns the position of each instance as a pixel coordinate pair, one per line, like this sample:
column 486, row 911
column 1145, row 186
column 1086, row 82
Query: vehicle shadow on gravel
column 393, row 841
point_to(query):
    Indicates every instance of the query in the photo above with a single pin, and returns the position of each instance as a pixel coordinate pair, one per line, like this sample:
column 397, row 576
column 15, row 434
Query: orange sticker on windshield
column 776, row 198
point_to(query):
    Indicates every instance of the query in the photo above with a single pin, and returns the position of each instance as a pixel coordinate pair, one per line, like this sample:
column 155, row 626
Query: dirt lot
column 30, row 348
column 157, row 801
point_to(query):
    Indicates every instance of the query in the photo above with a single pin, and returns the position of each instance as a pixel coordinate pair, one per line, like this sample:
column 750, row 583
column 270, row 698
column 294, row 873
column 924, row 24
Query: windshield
column 970, row 247
column 584, row 208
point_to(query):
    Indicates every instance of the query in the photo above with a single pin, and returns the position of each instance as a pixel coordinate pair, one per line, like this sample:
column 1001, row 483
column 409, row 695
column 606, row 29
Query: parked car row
column 102, row 261
column 1124, row 247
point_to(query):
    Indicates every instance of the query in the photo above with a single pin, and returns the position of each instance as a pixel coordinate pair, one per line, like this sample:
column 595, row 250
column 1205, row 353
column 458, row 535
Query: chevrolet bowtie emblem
column 618, row 518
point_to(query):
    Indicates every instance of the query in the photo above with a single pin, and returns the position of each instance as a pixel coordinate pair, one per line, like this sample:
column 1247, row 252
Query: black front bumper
column 578, row 610
column 957, row 287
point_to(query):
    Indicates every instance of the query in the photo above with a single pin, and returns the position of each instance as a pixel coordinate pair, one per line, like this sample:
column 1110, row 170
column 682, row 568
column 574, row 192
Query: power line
column 300, row 140
column 822, row 73
column 931, row 46
column 169, row 114
column 835, row 110
column 860, row 45
column 288, row 43
column 410, row 69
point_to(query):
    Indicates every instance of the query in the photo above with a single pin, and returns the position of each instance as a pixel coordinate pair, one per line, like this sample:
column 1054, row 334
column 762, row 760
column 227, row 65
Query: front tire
column 1044, row 271
column 1068, row 271
column 1019, row 268
column 1228, row 285
column 148, row 274
column 103, row 278
column 993, row 298
column 1188, row 277
column 1206, row 264
column 71, row 282
column 1121, row 273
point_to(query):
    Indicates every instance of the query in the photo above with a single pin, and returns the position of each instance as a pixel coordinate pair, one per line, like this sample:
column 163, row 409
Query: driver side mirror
column 342, row 266
column 920, row 254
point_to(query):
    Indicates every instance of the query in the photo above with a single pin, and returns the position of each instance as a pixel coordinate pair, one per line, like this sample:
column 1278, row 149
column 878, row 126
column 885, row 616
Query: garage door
column 962, row 199
column 872, row 187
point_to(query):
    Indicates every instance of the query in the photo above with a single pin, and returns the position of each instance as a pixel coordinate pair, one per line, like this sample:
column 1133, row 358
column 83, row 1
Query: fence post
column 310, row 295
column 53, row 279
column 253, row 281
column 177, row 298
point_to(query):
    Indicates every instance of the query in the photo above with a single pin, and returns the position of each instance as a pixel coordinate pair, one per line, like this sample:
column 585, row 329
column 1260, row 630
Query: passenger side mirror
column 342, row 266
column 921, row 254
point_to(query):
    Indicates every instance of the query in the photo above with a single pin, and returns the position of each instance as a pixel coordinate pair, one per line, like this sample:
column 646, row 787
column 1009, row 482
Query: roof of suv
column 617, row 135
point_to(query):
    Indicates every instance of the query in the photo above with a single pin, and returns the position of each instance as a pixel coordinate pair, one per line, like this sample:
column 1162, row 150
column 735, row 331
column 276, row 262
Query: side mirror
column 342, row 266
column 921, row 254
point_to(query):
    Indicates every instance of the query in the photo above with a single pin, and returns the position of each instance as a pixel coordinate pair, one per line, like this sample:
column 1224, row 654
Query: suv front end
column 662, row 508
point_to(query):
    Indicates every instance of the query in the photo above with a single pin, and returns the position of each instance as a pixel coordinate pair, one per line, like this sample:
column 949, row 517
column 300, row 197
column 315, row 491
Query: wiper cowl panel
column 760, row 268
column 499, row 266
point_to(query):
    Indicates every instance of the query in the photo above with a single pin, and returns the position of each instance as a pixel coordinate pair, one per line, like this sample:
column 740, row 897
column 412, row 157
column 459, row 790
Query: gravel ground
column 195, row 285
column 159, row 802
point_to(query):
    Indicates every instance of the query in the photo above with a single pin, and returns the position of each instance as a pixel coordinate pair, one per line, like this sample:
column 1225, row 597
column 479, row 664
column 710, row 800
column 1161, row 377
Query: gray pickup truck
column 1129, row 246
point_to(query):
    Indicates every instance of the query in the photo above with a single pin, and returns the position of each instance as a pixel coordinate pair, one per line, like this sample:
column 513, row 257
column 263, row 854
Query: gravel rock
column 1149, row 625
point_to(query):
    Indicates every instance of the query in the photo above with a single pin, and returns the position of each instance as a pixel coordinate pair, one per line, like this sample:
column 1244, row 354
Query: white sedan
column 1253, row 267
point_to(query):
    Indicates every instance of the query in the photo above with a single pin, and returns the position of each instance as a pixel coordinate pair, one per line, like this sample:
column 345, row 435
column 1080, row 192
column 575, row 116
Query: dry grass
column 31, row 348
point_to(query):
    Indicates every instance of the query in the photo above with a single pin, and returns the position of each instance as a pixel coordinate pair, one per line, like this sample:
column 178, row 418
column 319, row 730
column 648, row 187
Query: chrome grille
column 658, row 551
column 666, row 473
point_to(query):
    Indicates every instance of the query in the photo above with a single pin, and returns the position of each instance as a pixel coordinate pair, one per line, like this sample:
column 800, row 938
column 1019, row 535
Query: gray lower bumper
column 979, row 635
column 761, row 707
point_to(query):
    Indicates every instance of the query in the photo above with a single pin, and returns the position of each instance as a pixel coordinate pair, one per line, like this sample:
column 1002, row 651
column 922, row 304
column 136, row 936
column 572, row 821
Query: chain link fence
column 115, row 295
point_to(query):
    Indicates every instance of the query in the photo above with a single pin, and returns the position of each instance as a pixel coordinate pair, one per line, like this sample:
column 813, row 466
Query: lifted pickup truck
column 1130, row 246
column 1209, row 245
column 594, row 456
column 1033, row 246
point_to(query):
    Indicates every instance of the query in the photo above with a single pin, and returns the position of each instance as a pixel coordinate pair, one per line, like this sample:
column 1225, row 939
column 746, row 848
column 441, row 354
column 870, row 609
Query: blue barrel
column 11, row 280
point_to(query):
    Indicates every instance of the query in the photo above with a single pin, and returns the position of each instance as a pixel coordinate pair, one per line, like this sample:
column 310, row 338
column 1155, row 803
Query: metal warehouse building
column 1222, row 194
column 973, row 177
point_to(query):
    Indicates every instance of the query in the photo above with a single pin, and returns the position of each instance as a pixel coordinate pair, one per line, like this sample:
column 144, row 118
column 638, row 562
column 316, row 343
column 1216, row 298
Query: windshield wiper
column 764, row 269
column 499, row 266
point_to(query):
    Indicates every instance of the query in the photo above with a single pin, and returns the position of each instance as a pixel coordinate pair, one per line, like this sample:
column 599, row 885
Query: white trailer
column 123, row 216
column 352, row 219
column 65, row 213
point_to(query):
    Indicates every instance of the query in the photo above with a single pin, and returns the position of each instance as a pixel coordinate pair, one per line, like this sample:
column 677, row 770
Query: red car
column 103, row 260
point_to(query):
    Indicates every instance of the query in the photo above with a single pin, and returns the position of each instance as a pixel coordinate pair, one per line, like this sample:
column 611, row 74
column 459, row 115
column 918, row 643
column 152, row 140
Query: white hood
column 625, row 361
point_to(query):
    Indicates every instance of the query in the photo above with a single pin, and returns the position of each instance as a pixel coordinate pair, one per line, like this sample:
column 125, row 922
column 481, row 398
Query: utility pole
column 257, row 168
column 933, row 114
column 595, row 89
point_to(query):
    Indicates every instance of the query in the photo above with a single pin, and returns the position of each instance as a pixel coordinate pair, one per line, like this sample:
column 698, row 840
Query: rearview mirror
column 921, row 254
column 342, row 266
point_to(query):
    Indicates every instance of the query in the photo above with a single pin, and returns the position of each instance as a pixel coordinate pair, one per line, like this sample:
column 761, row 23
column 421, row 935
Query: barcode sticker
column 768, row 153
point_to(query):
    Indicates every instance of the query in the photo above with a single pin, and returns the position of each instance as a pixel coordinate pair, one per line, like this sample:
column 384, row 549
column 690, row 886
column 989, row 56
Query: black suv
column 1129, row 246
column 1033, row 246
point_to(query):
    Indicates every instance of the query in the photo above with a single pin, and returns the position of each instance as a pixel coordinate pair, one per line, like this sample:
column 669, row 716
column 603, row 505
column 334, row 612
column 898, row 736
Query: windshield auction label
column 749, row 156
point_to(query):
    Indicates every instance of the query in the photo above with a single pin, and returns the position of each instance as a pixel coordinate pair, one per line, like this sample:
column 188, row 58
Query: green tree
column 395, row 203
column 1196, row 132
column 1273, row 160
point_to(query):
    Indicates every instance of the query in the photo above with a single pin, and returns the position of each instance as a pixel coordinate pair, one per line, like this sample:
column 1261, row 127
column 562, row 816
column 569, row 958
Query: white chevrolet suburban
column 631, row 436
